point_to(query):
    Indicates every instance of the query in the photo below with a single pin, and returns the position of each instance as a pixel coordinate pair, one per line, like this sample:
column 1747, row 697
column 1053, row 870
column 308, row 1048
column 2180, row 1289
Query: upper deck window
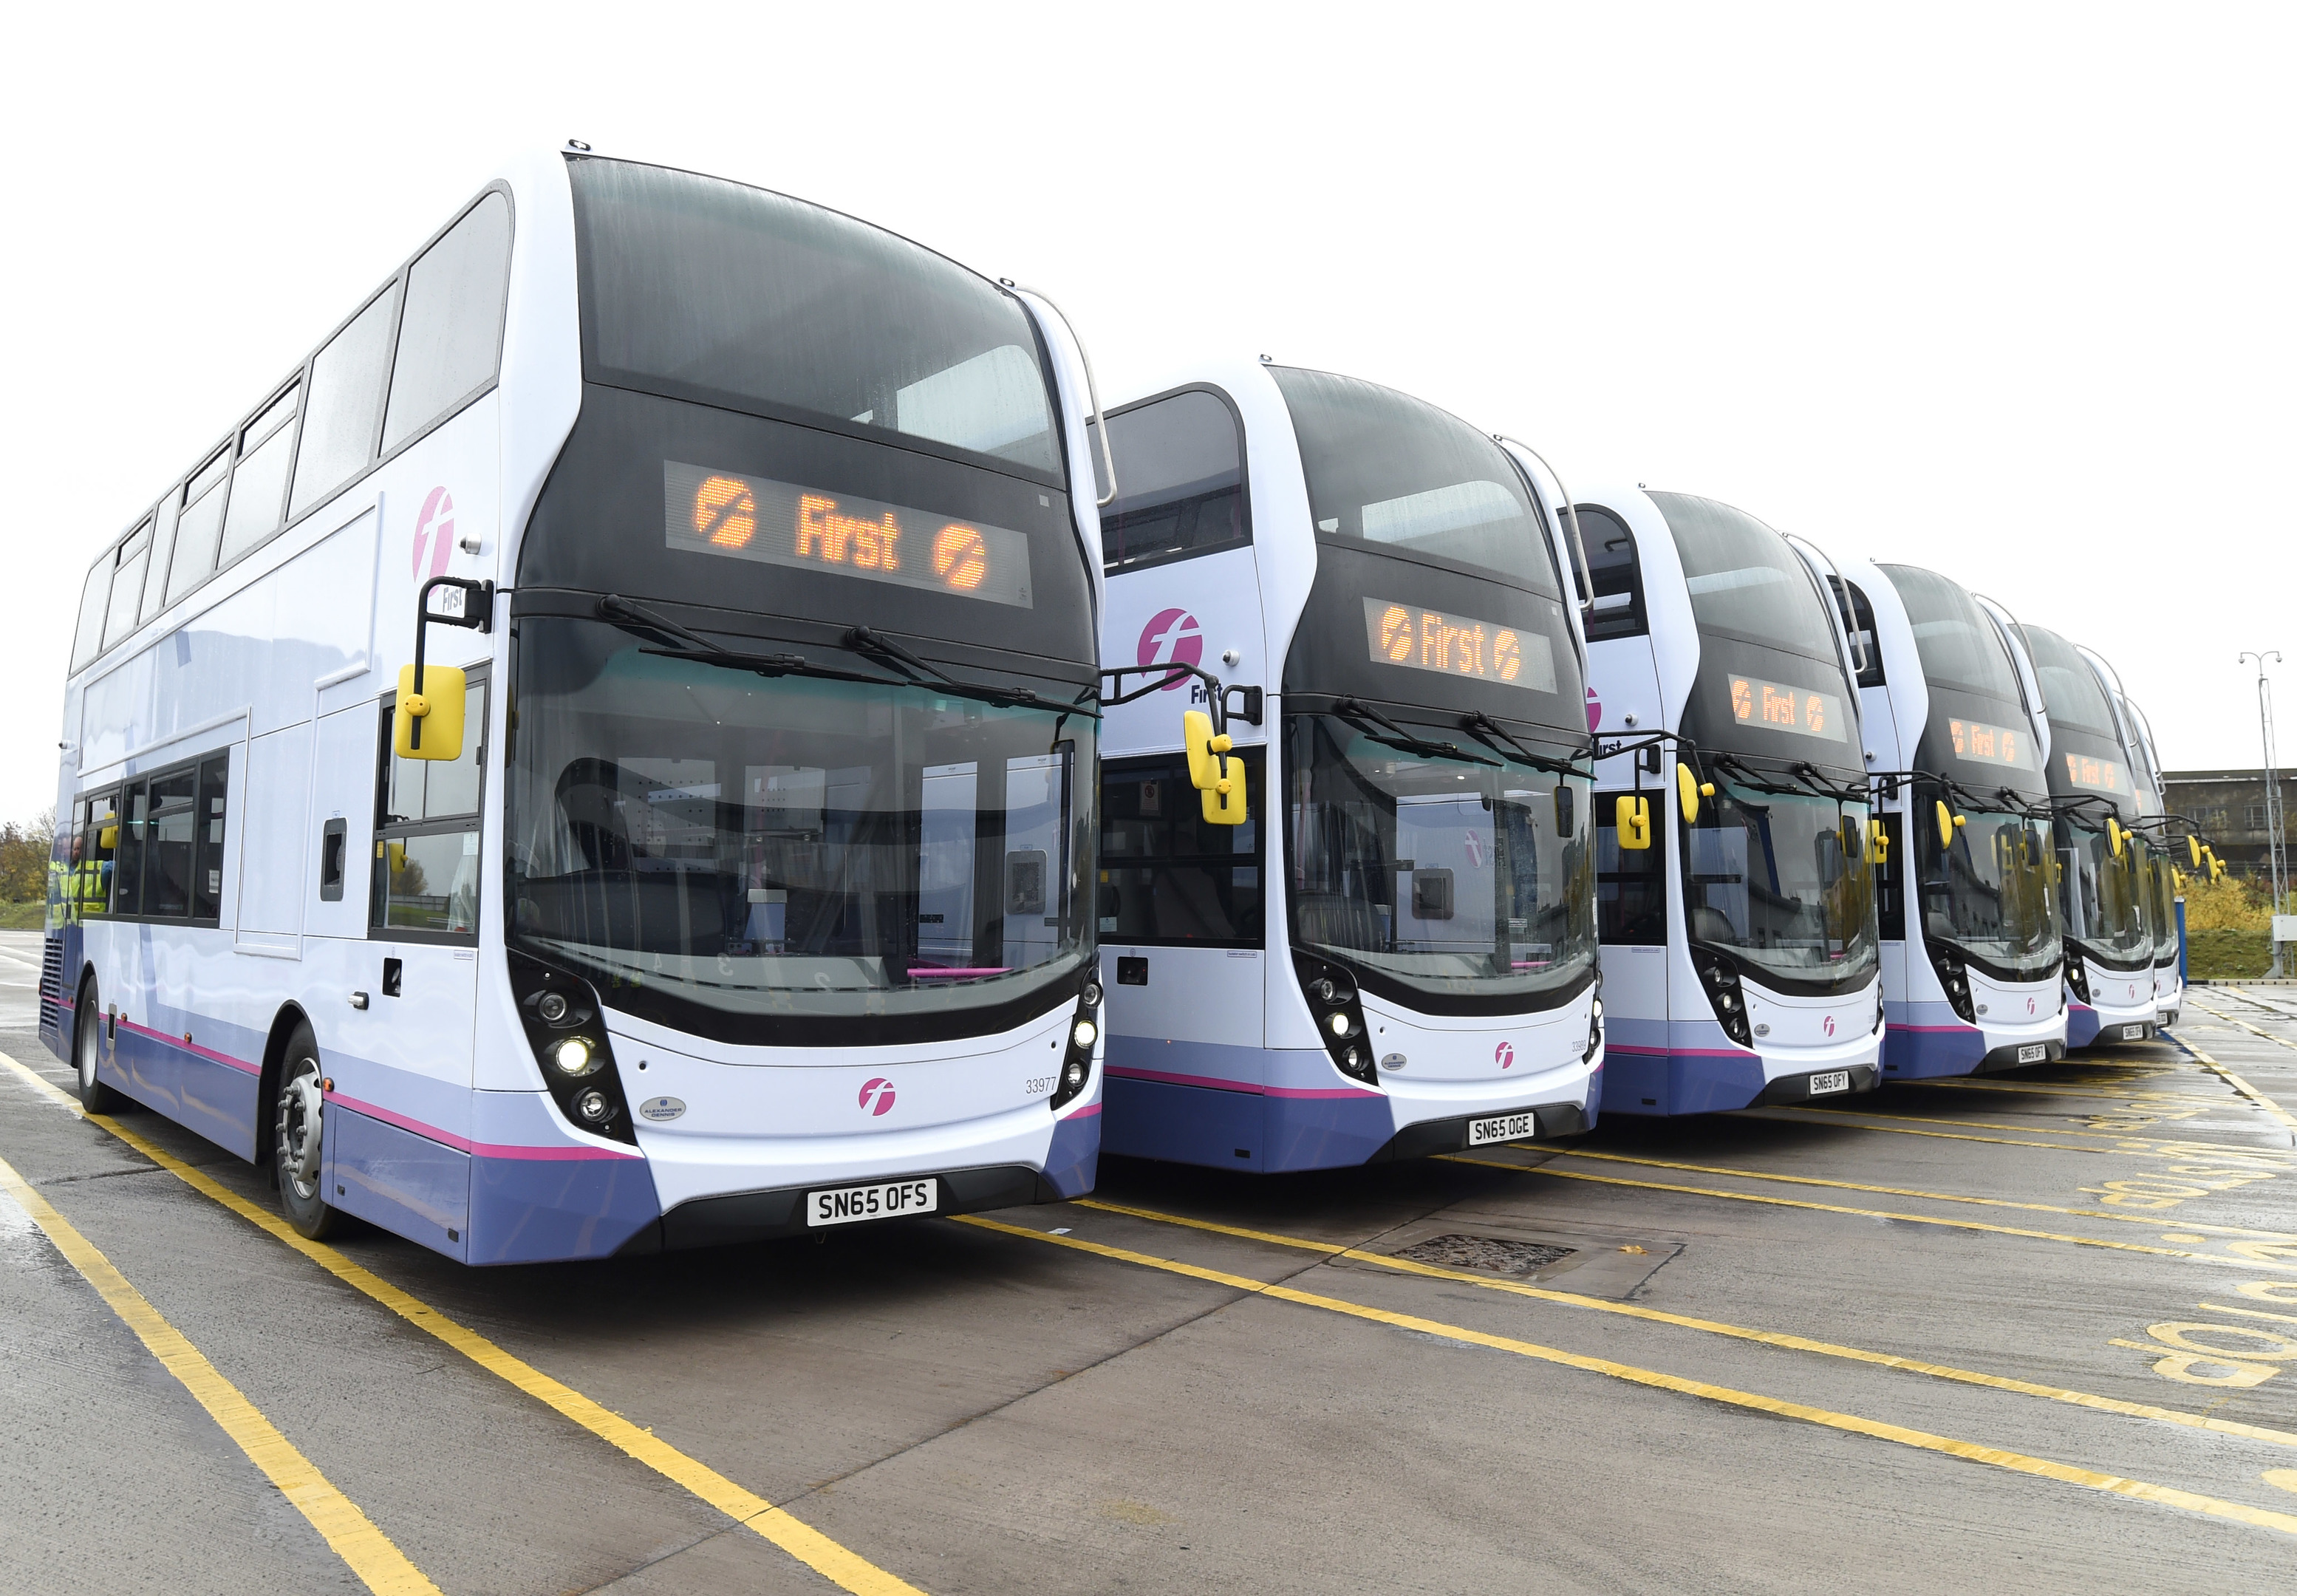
column 450, row 337
column 1957, row 642
column 1745, row 583
column 1618, row 611
column 700, row 289
column 1394, row 472
column 1180, row 473
column 2068, row 685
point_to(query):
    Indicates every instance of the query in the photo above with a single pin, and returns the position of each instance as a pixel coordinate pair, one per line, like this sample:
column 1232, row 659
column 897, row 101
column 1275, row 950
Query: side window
column 128, row 585
column 259, row 484
column 1630, row 882
column 345, row 410
column 426, row 835
column 171, row 828
column 1858, row 621
column 90, row 888
column 1180, row 467
column 127, row 862
column 450, row 339
column 1890, row 881
column 198, row 527
column 87, row 642
column 164, row 549
column 207, row 872
column 1167, row 878
column 1619, row 608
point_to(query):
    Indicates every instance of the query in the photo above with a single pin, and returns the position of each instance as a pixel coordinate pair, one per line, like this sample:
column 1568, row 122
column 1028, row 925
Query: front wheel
column 300, row 1124
column 88, row 1050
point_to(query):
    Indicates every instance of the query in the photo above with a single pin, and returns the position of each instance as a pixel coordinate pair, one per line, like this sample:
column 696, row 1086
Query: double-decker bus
column 2162, row 840
column 1734, row 887
column 601, row 757
column 1965, row 890
column 2104, row 881
column 1393, row 954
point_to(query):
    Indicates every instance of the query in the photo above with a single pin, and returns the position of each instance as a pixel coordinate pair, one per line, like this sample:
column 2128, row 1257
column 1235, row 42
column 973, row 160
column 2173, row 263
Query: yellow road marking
column 2166, row 1146
column 847, row 1569
column 2259, row 1099
column 2134, row 1095
column 350, row 1532
column 1917, row 1219
column 1715, row 1328
column 2151, row 1221
column 1969, row 1451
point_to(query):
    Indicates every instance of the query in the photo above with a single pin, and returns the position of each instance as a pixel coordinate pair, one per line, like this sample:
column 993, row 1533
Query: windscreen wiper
column 640, row 621
column 874, row 645
column 1492, row 735
column 1355, row 712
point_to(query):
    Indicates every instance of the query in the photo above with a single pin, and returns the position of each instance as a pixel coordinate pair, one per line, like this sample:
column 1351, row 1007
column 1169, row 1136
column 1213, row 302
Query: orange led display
column 782, row 523
column 1429, row 639
column 1802, row 711
column 2098, row 775
column 1991, row 745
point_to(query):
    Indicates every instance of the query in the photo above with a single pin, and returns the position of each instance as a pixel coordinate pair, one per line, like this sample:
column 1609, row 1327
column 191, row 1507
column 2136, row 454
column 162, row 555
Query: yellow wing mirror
column 1689, row 790
column 1946, row 821
column 429, row 724
column 1881, row 840
column 1220, row 779
column 1632, row 817
column 2114, row 834
column 107, row 838
column 2193, row 848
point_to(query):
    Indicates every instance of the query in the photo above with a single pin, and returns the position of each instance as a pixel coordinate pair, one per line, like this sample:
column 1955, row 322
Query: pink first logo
column 1504, row 1054
column 1829, row 1026
column 1171, row 637
column 434, row 534
column 877, row 1090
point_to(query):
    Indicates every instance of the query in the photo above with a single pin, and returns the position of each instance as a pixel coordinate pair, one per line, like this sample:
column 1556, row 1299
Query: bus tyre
column 297, row 1125
column 88, row 1047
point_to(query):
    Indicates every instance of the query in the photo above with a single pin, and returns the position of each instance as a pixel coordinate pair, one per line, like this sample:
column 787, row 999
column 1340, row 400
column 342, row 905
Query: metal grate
column 52, row 986
column 1487, row 1253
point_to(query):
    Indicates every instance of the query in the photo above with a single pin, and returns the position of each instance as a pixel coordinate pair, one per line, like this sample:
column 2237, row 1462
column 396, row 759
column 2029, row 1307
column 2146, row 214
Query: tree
column 24, row 858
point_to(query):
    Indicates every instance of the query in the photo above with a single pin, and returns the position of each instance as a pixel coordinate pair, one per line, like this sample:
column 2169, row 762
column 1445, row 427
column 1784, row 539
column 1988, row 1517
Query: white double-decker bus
column 1965, row 885
column 727, row 871
column 1393, row 954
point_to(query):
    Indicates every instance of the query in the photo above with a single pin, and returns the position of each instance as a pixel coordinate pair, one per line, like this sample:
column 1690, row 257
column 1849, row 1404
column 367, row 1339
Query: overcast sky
column 2004, row 291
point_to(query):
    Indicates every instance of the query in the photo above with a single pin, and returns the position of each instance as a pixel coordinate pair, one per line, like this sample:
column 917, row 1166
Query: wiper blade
column 874, row 646
column 1355, row 712
column 1492, row 735
column 639, row 621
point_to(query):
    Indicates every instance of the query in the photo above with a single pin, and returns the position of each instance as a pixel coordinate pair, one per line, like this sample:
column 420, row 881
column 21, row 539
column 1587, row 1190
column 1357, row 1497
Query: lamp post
column 2276, row 857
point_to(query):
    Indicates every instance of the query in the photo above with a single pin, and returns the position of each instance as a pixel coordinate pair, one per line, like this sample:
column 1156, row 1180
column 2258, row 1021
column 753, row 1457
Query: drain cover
column 1484, row 1253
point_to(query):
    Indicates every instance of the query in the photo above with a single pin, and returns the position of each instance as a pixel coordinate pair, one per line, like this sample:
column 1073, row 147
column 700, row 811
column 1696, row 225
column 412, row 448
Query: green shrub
column 2228, row 955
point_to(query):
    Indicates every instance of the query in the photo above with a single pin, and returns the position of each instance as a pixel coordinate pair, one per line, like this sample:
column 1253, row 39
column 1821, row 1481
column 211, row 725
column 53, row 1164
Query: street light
column 2275, row 858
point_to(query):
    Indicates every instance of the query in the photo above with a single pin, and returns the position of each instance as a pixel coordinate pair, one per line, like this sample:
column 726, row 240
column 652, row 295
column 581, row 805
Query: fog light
column 1085, row 1033
column 552, row 1008
column 1092, row 994
column 1075, row 1072
column 1339, row 1024
column 592, row 1105
column 572, row 1057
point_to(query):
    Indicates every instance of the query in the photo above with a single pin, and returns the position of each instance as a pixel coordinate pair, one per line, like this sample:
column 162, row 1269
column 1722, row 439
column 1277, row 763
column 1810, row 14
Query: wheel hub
column 300, row 1107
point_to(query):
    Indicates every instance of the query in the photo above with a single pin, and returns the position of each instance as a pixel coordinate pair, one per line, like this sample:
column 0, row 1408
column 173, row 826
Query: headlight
column 1085, row 1033
column 573, row 1056
column 1339, row 1025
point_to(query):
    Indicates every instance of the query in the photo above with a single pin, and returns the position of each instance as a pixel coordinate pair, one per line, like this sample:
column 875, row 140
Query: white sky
column 2002, row 290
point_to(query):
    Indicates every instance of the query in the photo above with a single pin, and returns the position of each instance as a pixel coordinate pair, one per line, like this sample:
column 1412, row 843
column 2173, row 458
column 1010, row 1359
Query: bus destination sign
column 781, row 523
column 1991, row 745
column 2098, row 775
column 1798, row 710
column 1425, row 639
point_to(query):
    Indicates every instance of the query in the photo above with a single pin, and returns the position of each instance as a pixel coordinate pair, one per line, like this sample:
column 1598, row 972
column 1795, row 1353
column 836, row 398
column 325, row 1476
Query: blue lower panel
column 1678, row 1083
column 1073, row 1161
column 409, row 1184
column 533, row 1210
column 199, row 1093
column 1930, row 1052
column 1326, row 1132
column 2081, row 1025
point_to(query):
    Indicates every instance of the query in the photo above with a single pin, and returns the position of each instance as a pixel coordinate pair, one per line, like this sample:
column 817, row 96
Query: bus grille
column 52, row 986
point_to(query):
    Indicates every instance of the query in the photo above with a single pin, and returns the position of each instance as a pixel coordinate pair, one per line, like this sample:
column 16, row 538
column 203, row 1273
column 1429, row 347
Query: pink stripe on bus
column 483, row 1149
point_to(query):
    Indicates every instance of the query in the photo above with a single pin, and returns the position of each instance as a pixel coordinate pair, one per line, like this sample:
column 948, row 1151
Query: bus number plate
column 1503, row 1127
column 2033, row 1053
column 2133, row 1033
column 1832, row 1080
column 850, row 1205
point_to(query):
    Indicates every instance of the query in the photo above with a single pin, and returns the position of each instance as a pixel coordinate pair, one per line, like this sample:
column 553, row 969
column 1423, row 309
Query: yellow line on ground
column 2153, row 1220
column 2106, row 1405
column 2259, row 1099
column 350, row 1532
column 845, row 1568
column 2156, row 1099
column 1916, row 1219
column 1969, row 1451
column 2162, row 1147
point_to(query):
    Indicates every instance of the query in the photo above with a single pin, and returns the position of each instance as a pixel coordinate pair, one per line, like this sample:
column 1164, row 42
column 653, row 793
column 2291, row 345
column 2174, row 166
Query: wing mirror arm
column 478, row 613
